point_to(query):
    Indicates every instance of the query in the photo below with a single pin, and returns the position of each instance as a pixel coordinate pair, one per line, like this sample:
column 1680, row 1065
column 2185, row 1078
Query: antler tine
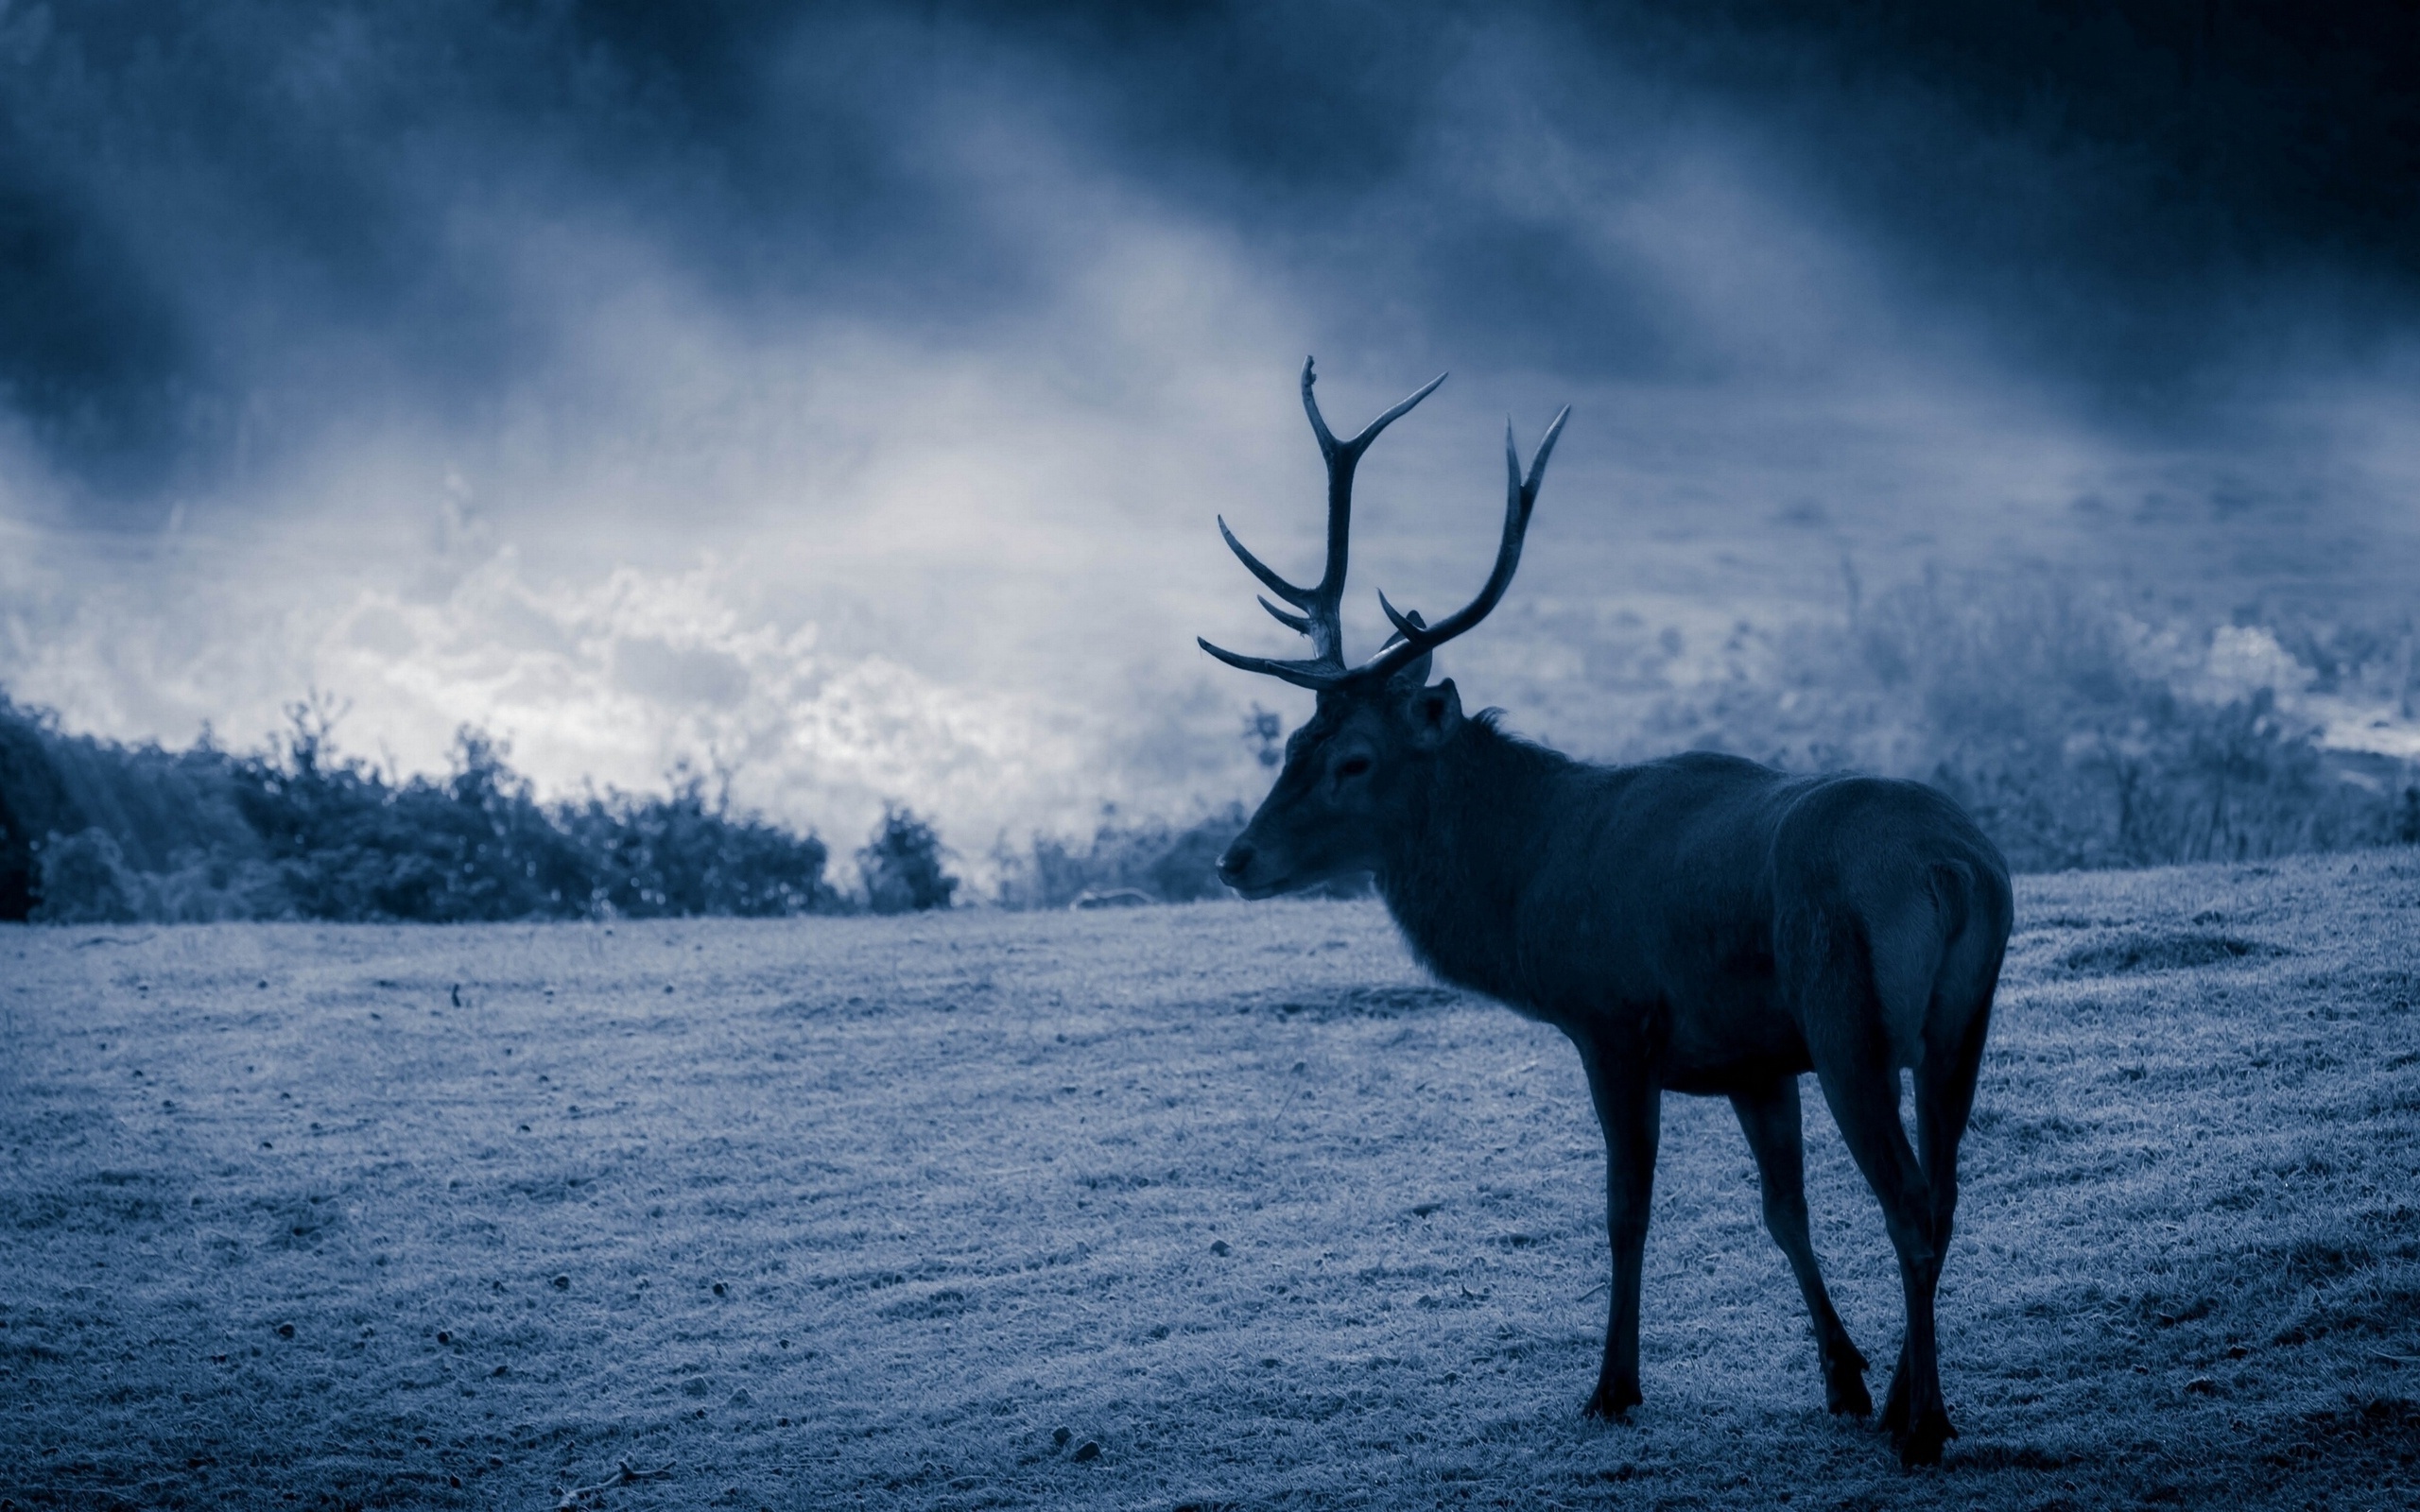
column 1317, row 675
column 1292, row 622
column 1299, row 598
column 1370, row 432
column 1521, row 497
column 1312, row 407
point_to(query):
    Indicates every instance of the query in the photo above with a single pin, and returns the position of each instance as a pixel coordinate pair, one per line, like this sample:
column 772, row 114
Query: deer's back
column 1654, row 902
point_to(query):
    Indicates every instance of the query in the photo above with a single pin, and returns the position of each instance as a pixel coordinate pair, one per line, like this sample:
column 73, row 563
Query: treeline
column 92, row 831
column 2078, row 733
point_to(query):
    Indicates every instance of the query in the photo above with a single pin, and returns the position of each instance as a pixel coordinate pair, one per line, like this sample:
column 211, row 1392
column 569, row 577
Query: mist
column 844, row 399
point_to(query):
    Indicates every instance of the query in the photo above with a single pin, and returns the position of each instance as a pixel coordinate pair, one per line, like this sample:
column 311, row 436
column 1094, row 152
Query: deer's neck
column 1458, row 869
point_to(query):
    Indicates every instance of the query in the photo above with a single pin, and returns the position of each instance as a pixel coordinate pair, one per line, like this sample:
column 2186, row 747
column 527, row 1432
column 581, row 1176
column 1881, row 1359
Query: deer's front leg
column 1630, row 1107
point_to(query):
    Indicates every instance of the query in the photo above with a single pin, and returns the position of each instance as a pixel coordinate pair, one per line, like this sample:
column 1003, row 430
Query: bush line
column 2054, row 715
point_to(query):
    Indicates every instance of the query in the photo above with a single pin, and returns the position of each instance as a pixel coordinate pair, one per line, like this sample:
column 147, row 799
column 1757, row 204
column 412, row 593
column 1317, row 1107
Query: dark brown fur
column 1696, row 924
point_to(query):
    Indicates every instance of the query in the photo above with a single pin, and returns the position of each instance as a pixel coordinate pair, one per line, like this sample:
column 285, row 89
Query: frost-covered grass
column 859, row 1212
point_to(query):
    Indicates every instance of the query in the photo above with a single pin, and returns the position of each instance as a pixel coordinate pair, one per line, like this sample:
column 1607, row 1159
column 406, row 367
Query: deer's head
column 1352, row 769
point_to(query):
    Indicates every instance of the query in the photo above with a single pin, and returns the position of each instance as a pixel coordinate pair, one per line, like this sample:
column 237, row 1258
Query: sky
column 843, row 395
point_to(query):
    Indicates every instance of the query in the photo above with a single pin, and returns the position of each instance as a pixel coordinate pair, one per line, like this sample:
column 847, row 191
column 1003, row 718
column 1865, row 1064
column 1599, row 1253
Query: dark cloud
column 90, row 353
column 2257, row 126
column 2126, row 187
column 226, row 222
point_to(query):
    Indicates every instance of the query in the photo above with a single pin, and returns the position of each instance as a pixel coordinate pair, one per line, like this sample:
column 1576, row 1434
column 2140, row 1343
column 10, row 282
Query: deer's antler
column 1322, row 606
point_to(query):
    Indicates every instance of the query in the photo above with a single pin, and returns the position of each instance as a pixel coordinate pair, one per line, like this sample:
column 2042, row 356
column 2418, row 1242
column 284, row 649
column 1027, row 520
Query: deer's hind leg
column 1769, row 1117
column 1945, row 1096
column 1863, row 1095
column 1855, row 1063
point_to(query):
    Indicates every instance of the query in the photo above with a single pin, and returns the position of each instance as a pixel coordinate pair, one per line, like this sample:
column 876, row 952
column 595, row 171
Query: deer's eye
column 1353, row 767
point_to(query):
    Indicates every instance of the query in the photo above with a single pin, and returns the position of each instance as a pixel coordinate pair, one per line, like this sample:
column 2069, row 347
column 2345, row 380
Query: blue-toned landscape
column 623, row 854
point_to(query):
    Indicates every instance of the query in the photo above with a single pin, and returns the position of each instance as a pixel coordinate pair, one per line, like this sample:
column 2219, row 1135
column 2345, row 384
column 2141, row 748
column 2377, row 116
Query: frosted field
column 843, row 1213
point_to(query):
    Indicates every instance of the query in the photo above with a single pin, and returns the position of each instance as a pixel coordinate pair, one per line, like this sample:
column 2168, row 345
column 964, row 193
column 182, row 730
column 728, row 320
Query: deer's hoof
column 1844, row 1394
column 1920, row 1442
column 1611, row 1401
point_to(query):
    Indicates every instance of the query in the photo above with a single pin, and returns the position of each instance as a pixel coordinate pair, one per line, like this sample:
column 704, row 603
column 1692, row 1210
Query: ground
column 1219, row 1205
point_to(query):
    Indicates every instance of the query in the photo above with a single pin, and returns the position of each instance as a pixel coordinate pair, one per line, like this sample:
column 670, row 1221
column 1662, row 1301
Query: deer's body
column 1696, row 924
column 1668, row 905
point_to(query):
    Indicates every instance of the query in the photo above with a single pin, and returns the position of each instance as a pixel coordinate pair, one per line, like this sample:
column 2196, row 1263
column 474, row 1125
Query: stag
column 1698, row 924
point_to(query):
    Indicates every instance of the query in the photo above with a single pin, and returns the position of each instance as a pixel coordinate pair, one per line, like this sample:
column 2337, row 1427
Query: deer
column 1700, row 925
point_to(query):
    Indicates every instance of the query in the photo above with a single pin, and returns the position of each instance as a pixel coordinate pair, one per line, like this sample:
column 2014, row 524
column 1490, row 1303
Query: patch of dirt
column 2162, row 951
column 1395, row 1002
column 83, row 1210
column 2361, row 1442
column 945, row 1304
column 2009, row 1456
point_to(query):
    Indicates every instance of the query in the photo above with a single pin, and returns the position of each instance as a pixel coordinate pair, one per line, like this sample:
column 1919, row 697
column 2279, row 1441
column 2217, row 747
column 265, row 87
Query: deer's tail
column 1976, row 910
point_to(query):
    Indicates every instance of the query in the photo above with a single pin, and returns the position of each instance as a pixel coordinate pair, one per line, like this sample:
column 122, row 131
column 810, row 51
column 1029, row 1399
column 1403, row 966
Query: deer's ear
column 1435, row 714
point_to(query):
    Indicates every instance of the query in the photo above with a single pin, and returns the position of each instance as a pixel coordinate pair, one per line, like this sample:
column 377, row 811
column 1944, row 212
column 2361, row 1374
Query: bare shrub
column 2056, row 717
column 1169, row 862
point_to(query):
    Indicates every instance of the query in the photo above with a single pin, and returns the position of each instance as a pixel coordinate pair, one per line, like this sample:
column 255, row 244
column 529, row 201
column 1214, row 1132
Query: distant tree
column 902, row 865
